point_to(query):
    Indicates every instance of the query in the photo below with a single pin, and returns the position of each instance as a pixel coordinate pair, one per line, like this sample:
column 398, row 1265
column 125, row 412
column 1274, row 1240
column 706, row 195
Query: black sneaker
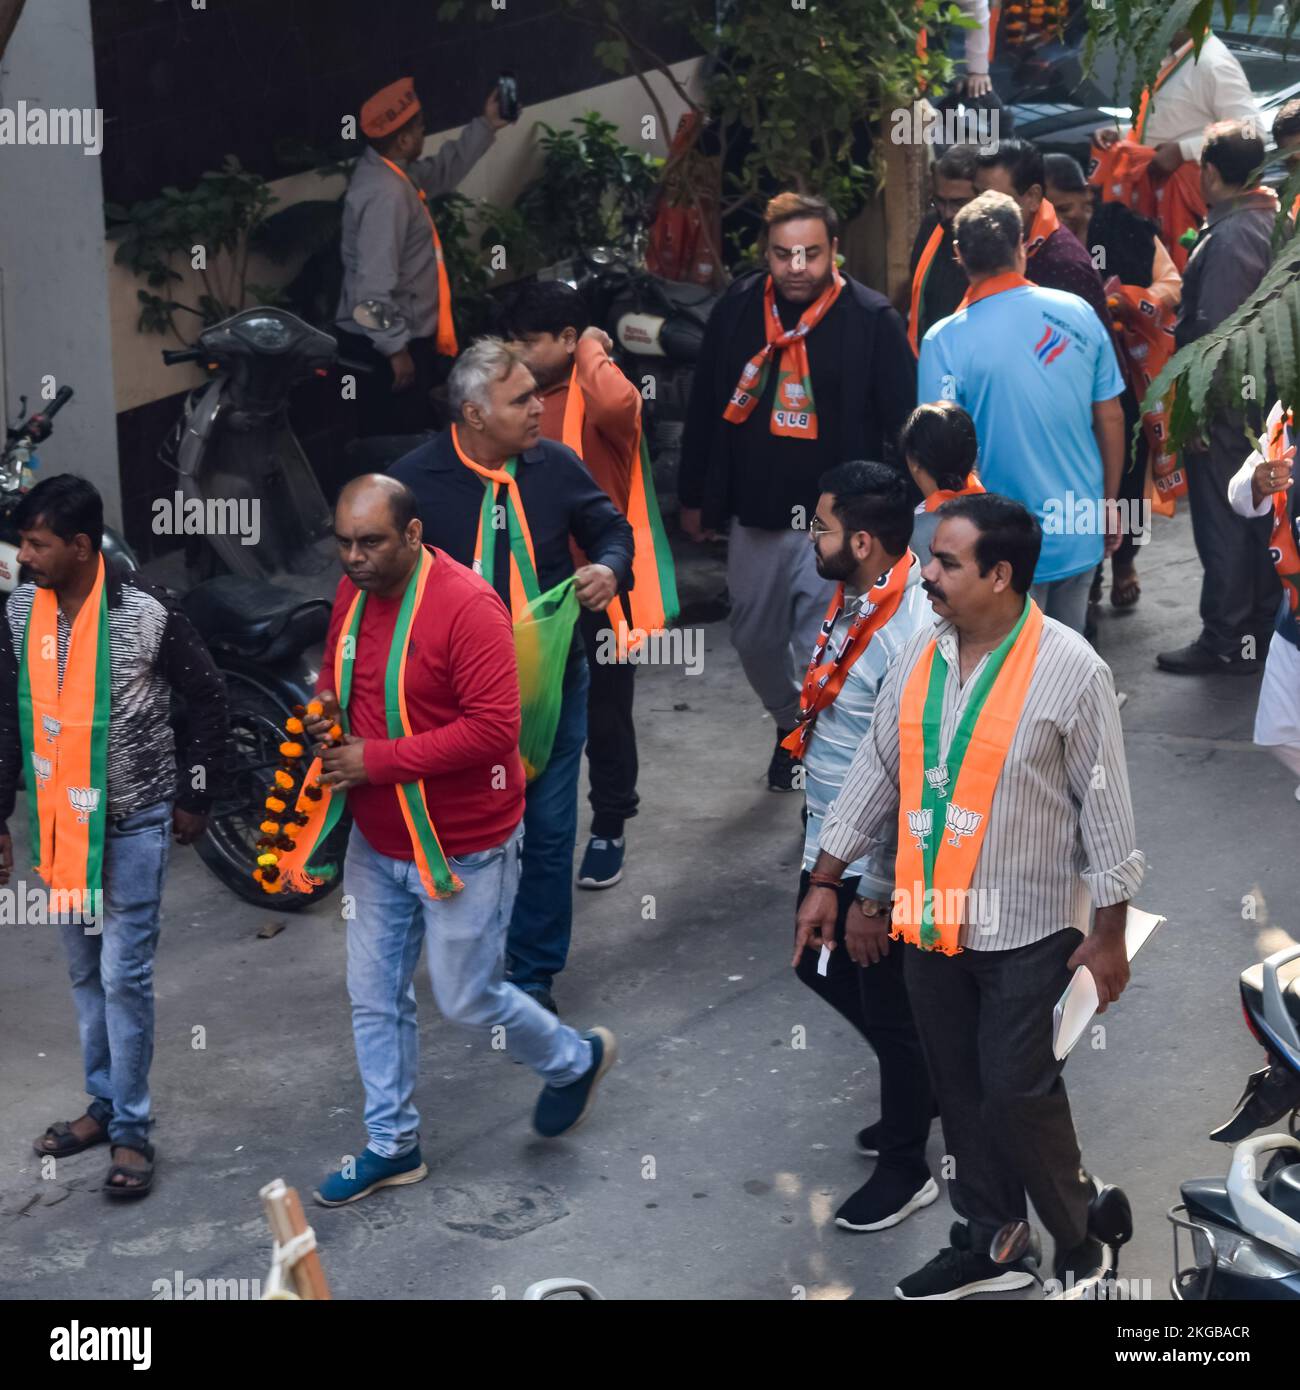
column 1197, row 660
column 780, row 771
column 602, row 863
column 885, row 1199
column 1080, row 1272
column 867, row 1141
column 954, row 1274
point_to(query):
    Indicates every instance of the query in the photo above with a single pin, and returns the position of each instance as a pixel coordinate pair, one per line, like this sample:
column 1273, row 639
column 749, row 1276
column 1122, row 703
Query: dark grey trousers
column 985, row 1020
column 1240, row 590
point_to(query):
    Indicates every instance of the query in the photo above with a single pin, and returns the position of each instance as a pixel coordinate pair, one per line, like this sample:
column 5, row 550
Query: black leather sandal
column 142, row 1178
column 59, row 1141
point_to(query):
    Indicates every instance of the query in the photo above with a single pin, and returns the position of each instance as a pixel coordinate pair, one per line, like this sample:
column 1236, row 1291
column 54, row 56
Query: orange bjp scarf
column 918, row 286
column 826, row 674
column 446, row 338
column 945, row 494
column 1282, row 546
column 794, row 412
column 64, row 732
column 652, row 600
column 946, row 800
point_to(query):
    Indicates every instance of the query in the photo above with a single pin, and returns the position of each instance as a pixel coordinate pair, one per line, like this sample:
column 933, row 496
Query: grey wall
column 55, row 297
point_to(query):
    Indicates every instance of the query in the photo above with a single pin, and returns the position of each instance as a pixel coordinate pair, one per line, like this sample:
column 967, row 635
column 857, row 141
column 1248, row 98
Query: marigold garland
column 283, row 824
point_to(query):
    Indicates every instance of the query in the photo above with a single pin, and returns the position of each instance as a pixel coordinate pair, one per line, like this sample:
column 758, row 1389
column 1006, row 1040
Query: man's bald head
column 379, row 535
column 372, row 488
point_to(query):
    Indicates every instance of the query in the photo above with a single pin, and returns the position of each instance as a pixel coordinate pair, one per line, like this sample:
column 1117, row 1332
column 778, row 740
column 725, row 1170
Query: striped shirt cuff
column 1117, row 885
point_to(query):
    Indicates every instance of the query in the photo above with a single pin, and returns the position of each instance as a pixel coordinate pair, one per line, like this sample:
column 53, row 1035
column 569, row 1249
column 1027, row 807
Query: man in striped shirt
column 1058, row 841
column 859, row 534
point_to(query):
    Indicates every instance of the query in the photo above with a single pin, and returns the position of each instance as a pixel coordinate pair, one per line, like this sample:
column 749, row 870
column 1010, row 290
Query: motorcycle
column 260, row 601
column 18, row 463
column 1245, row 1230
column 658, row 329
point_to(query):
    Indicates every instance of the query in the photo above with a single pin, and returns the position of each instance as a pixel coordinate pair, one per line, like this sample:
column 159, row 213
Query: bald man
column 436, row 792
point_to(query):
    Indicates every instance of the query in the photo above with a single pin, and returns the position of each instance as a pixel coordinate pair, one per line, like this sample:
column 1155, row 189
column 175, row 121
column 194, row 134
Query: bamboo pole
column 284, row 1215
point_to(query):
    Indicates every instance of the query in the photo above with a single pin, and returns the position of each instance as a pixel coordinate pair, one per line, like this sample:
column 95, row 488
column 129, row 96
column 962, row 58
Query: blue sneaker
column 373, row 1171
column 602, row 864
column 561, row 1109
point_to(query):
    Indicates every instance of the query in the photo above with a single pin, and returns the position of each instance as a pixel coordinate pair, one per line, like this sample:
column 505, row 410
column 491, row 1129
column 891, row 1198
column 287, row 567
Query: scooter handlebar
column 174, row 356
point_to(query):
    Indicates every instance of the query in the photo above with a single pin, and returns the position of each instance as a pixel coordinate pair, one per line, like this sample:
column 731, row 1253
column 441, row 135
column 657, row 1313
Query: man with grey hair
column 495, row 495
column 1046, row 401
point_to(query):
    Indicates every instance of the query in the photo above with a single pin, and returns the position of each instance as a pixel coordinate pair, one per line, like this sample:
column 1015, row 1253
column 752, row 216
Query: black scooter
column 1245, row 1228
column 261, row 598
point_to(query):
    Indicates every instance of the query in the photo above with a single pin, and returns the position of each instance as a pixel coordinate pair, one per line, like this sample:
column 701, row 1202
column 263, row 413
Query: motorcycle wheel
column 228, row 846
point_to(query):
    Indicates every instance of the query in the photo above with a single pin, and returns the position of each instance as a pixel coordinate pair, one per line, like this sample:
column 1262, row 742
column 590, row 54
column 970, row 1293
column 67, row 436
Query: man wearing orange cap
column 393, row 268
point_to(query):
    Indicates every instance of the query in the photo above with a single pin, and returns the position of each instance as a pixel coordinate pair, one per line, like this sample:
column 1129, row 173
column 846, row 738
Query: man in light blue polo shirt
column 1037, row 371
column 860, row 536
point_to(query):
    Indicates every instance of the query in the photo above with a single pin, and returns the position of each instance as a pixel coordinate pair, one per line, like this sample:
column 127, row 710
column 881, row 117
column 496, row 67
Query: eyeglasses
column 816, row 530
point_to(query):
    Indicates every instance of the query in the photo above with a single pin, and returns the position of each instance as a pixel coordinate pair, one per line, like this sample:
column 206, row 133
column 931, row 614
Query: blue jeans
column 465, row 938
column 111, row 967
column 543, row 918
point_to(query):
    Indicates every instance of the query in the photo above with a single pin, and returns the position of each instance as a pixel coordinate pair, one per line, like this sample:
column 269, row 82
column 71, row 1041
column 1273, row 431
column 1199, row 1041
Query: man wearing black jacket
column 151, row 650
column 801, row 368
column 493, row 399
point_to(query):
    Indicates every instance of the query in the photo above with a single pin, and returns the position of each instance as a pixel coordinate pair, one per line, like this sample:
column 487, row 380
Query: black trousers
column 1240, row 590
column 986, row 1020
column 873, row 999
column 611, row 734
column 1132, row 483
column 379, row 409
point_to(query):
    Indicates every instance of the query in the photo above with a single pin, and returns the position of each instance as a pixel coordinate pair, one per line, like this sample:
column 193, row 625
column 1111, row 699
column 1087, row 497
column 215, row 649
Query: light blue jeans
column 111, row 967
column 465, row 937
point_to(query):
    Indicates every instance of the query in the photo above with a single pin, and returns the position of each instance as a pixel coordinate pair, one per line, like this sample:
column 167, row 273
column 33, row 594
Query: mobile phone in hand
column 508, row 97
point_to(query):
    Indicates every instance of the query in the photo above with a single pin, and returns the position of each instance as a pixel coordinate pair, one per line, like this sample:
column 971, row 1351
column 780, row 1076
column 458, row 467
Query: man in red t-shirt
column 550, row 329
column 436, row 792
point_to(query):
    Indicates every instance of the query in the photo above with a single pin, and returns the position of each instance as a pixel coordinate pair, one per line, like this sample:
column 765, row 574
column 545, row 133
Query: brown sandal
column 59, row 1141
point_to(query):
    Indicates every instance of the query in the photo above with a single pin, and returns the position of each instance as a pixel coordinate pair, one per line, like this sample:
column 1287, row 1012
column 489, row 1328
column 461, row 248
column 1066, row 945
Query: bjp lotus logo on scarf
column 921, row 823
column 749, row 374
column 85, row 801
column 52, row 727
column 793, row 394
column 937, row 777
column 44, row 768
column 962, row 822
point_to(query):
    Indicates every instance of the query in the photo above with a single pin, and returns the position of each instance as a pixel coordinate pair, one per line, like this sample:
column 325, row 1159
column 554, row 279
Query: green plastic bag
column 543, row 637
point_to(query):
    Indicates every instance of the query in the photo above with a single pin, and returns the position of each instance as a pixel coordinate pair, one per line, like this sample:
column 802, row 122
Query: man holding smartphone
column 395, row 310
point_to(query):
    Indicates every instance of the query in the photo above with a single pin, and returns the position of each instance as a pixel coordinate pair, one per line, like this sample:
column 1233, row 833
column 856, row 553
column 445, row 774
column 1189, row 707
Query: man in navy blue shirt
column 498, row 423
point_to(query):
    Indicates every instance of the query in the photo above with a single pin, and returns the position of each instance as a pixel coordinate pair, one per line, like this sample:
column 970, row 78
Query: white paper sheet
column 1076, row 1007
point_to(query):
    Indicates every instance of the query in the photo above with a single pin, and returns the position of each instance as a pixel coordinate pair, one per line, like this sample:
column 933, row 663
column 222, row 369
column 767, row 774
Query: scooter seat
column 255, row 620
column 1252, row 989
column 1282, row 1190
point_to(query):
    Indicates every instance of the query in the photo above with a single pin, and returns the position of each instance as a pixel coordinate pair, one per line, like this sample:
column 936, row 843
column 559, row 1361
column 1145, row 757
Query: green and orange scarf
column 64, row 732
column 653, row 597
column 794, row 412
column 945, row 803
column 323, row 811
